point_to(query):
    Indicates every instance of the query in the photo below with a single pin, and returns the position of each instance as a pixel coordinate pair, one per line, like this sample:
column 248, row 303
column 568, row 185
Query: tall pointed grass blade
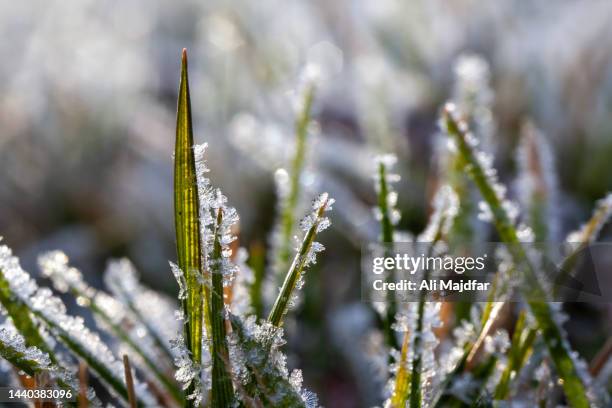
column 187, row 224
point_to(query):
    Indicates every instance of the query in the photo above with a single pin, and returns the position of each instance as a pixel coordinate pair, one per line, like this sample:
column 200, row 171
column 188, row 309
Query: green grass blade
column 187, row 223
column 553, row 336
column 300, row 261
column 290, row 202
column 522, row 342
column 222, row 394
column 386, row 236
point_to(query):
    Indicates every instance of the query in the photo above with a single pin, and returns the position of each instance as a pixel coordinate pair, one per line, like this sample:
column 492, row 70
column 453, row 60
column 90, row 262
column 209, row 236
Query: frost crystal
column 256, row 358
column 445, row 208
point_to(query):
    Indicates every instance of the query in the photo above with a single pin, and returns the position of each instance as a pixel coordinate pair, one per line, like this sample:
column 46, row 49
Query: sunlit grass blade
column 306, row 254
column 222, row 394
column 552, row 333
column 401, row 387
column 187, row 223
column 289, row 195
column 112, row 314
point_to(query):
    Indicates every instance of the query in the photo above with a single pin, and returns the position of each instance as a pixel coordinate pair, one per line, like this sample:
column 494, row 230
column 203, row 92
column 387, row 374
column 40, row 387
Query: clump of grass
column 223, row 357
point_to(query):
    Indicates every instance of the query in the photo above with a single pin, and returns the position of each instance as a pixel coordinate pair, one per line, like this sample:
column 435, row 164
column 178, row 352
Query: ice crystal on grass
column 187, row 373
column 180, row 279
column 256, row 356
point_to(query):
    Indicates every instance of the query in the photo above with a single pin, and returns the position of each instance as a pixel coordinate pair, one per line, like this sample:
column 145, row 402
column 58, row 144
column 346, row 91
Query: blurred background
column 87, row 113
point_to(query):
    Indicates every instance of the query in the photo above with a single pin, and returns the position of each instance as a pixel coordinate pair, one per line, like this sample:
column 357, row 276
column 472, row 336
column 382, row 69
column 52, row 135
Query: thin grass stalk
column 222, row 394
column 290, row 203
column 187, row 224
column 279, row 309
column 83, row 385
column 573, row 386
column 386, row 238
column 520, row 348
column 129, row 381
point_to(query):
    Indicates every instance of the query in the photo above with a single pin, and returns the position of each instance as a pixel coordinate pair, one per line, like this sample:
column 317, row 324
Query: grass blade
column 520, row 348
column 553, row 336
column 305, row 256
column 388, row 218
column 22, row 319
column 187, row 224
column 222, row 391
column 290, row 199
